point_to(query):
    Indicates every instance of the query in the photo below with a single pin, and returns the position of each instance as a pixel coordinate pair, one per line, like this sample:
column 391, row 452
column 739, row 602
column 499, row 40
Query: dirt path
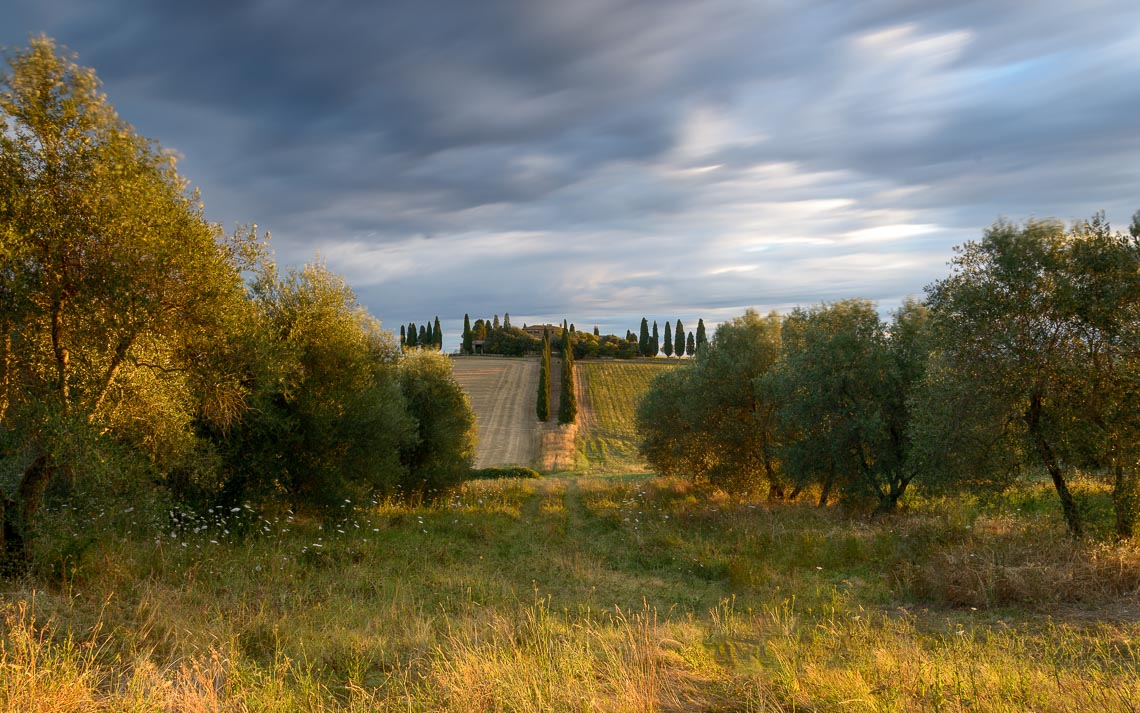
column 502, row 393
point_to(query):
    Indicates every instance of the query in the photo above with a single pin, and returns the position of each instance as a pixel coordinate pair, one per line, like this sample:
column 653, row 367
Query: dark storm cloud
column 602, row 157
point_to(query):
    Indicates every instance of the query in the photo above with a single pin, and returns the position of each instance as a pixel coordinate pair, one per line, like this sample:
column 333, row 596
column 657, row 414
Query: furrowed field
column 609, row 393
column 621, row 593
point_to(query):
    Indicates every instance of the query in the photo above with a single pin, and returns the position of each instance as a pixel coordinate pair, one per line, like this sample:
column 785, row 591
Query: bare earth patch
column 502, row 393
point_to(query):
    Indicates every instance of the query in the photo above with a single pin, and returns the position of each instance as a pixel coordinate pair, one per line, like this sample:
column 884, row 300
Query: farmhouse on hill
column 535, row 330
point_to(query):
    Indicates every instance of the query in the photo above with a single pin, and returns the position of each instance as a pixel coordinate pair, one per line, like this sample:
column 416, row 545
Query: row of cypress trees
column 567, row 401
column 426, row 336
column 676, row 342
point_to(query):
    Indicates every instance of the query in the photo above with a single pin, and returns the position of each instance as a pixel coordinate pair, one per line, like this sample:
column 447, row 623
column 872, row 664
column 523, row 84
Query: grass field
column 609, row 393
column 605, row 593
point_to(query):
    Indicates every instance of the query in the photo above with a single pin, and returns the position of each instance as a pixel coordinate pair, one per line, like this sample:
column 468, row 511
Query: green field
column 608, row 594
column 607, row 436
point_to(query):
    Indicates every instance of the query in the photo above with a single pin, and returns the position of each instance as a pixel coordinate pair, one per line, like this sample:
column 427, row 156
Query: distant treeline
column 490, row 336
column 1026, row 358
column 145, row 356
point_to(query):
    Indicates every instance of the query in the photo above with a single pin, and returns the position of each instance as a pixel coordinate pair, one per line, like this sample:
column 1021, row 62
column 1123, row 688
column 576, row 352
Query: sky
column 604, row 160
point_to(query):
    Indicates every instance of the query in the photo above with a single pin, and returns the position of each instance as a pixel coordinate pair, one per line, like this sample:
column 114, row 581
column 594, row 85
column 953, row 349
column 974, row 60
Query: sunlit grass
column 617, row 593
column 608, row 443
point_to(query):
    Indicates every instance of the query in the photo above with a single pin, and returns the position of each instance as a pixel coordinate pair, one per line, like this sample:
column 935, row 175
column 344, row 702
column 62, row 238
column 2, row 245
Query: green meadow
column 619, row 593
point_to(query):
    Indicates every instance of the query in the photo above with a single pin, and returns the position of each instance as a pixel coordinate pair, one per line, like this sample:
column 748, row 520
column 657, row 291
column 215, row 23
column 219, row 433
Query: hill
column 608, row 393
column 502, row 393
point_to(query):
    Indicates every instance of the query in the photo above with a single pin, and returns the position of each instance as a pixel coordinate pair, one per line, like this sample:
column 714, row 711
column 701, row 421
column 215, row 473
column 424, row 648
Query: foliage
column 842, row 387
column 443, row 450
column 514, row 471
column 1035, row 331
column 510, row 341
column 542, row 401
column 113, row 293
column 707, row 422
column 327, row 418
column 567, row 398
column 467, row 346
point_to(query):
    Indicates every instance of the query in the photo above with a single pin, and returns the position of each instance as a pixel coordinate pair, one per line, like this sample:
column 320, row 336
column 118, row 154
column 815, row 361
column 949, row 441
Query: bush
column 515, row 471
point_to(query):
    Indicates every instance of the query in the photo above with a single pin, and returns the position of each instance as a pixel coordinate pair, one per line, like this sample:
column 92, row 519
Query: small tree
column 543, row 402
column 679, row 339
column 468, row 339
column 668, row 340
column 690, row 345
column 643, row 338
column 437, row 335
column 567, row 404
column 403, row 334
column 654, row 341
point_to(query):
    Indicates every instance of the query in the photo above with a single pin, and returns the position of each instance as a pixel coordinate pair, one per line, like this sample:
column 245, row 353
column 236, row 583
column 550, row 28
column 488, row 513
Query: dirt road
column 502, row 393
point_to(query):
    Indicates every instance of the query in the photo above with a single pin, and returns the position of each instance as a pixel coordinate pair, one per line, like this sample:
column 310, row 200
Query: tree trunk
column 1124, row 501
column 1049, row 458
column 5, row 369
column 16, row 517
column 775, row 487
column 826, row 492
column 62, row 355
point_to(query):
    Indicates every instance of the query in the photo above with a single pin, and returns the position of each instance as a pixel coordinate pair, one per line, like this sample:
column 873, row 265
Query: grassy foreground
column 609, row 594
column 607, row 435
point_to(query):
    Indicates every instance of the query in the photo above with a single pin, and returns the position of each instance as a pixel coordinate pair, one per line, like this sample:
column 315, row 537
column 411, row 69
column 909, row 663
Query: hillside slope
column 502, row 393
column 608, row 394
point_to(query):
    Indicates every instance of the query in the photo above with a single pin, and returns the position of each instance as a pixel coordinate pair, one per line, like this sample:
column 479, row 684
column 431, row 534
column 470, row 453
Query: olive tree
column 112, row 285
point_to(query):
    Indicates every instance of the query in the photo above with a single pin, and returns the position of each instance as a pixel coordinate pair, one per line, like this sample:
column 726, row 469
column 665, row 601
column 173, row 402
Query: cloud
column 608, row 158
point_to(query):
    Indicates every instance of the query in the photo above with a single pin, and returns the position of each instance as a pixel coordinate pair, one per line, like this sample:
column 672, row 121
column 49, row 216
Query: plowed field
column 502, row 393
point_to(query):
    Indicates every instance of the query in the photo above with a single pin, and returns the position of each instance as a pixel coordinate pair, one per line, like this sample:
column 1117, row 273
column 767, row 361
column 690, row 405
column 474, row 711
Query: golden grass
column 618, row 594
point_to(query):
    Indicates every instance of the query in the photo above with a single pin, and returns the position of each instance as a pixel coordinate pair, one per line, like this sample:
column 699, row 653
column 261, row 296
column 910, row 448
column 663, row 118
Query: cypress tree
column 424, row 339
column 596, row 332
column 702, row 339
column 468, row 338
column 690, row 346
column 668, row 340
column 567, row 404
column 643, row 338
column 496, row 323
column 506, row 320
column 412, row 341
column 572, row 330
column 654, row 341
column 542, row 405
column 437, row 335
column 403, row 334
column 679, row 339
